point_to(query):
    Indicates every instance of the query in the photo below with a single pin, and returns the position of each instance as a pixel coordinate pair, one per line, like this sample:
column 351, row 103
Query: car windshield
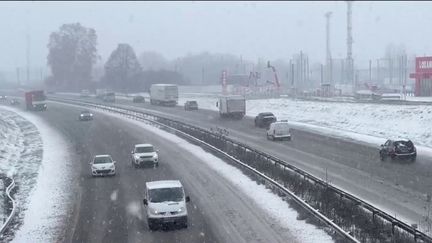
column 403, row 143
column 85, row 112
column 174, row 194
column 267, row 114
column 281, row 126
column 102, row 160
column 147, row 149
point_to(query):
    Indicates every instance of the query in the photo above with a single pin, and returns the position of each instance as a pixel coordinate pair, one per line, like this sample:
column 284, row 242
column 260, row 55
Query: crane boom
column 275, row 74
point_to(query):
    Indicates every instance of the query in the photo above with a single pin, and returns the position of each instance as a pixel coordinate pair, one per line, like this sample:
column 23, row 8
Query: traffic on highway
column 215, row 122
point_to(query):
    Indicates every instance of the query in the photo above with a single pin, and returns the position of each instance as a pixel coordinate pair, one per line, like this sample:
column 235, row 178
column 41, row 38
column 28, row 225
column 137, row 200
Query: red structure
column 423, row 76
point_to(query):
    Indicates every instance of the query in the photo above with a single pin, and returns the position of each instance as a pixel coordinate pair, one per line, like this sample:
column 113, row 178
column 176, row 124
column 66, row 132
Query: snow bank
column 371, row 123
column 269, row 202
column 20, row 157
column 46, row 207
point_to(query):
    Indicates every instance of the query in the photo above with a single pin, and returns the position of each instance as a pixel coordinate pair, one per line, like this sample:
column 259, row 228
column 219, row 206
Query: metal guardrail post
column 9, row 218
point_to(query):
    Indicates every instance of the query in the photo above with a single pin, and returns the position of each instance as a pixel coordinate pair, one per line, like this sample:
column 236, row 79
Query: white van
column 166, row 203
column 279, row 130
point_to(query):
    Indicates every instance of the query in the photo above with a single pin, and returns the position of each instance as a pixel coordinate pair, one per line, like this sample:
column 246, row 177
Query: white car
column 144, row 154
column 166, row 204
column 102, row 165
column 279, row 130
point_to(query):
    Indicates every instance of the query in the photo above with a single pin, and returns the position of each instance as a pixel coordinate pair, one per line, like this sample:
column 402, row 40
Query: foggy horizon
column 269, row 30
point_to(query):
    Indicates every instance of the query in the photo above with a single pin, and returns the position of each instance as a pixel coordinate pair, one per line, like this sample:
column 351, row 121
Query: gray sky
column 253, row 29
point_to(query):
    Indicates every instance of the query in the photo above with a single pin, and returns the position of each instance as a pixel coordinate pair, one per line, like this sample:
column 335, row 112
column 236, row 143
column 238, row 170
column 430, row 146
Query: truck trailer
column 35, row 100
column 164, row 94
column 233, row 106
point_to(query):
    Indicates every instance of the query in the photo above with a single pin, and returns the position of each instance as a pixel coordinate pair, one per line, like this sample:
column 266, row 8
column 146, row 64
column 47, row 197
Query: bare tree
column 72, row 53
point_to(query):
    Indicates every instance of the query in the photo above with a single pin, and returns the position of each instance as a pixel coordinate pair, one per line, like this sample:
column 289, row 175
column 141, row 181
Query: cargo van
column 279, row 130
column 165, row 203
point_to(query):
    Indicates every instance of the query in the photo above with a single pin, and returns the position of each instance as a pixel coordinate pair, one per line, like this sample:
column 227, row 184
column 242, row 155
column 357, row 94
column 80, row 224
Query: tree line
column 72, row 54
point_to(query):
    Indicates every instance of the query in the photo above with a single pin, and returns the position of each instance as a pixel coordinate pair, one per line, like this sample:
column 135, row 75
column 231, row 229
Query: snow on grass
column 45, row 209
column 20, row 158
column 371, row 123
column 265, row 198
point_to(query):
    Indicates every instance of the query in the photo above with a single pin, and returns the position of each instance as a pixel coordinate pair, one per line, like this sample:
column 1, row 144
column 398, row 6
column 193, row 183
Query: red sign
column 424, row 65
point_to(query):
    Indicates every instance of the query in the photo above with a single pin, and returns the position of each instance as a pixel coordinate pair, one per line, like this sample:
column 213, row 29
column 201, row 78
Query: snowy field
column 267, row 200
column 30, row 152
column 372, row 123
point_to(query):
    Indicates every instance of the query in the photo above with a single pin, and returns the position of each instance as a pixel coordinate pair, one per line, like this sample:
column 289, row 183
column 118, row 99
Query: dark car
column 191, row 105
column 264, row 119
column 85, row 116
column 403, row 149
column 3, row 98
column 138, row 99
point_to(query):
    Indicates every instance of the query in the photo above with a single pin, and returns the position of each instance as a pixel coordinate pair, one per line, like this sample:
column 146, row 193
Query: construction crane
column 275, row 74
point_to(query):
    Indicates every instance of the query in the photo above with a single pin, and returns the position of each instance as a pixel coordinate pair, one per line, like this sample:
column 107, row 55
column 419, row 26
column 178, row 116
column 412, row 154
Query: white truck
column 164, row 94
column 100, row 93
column 232, row 106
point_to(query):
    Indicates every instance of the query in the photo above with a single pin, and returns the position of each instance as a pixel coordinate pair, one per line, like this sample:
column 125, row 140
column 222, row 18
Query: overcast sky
column 269, row 30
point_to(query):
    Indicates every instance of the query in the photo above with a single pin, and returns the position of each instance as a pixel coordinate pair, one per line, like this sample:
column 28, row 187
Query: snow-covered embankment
column 36, row 156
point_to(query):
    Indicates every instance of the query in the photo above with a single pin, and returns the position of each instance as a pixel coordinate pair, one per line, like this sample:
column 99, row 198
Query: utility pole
column 328, row 54
column 370, row 70
column 292, row 74
column 18, row 76
column 378, row 71
column 28, row 57
column 322, row 74
column 350, row 64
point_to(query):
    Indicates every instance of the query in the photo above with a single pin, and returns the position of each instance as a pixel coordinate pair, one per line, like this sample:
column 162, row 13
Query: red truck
column 35, row 100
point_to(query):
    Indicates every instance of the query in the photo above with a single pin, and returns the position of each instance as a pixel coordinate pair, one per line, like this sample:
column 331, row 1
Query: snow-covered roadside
column 370, row 123
column 46, row 207
column 20, row 158
column 268, row 201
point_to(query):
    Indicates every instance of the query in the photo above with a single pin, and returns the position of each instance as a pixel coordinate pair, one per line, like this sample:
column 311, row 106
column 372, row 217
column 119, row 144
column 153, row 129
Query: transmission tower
column 350, row 62
column 328, row 53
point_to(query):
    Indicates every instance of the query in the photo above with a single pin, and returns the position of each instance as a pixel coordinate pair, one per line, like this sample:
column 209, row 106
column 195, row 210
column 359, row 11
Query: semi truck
column 164, row 94
column 233, row 106
column 109, row 97
column 100, row 93
column 35, row 100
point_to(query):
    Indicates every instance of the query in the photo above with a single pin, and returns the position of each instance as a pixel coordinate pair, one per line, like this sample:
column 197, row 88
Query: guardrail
column 12, row 213
column 196, row 132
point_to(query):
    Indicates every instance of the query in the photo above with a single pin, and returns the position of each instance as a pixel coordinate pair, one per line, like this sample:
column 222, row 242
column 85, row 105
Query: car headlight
column 180, row 210
column 153, row 211
column 155, row 156
column 112, row 166
column 91, row 114
column 93, row 167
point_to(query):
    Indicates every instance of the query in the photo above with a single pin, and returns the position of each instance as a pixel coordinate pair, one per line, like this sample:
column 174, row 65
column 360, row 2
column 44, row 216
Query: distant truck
column 85, row 93
column 100, row 93
column 109, row 97
column 35, row 100
column 232, row 106
column 164, row 94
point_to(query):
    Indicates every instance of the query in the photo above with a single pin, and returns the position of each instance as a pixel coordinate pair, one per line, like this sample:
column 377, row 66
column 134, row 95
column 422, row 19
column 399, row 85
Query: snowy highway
column 399, row 188
column 109, row 209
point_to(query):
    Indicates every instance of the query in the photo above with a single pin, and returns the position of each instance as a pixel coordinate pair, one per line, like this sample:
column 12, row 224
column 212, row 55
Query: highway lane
column 109, row 209
column 397, row 187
